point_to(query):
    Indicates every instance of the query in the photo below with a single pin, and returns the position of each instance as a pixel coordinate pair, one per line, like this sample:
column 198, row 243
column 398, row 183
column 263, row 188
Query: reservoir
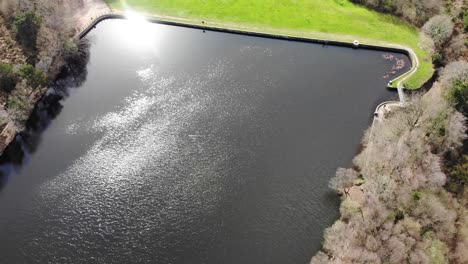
column 185, row 146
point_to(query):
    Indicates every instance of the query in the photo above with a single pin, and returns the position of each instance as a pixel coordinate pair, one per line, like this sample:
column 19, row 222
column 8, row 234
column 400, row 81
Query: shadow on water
column 72, row 75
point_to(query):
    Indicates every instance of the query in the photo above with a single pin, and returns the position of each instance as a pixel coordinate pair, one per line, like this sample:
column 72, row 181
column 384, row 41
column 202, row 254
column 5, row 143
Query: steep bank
column 15, row 106
column 60, row 21
column 411, row 205
column 402, row 213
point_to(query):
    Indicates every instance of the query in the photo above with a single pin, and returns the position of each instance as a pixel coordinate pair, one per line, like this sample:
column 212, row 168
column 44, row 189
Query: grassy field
column 326, row 19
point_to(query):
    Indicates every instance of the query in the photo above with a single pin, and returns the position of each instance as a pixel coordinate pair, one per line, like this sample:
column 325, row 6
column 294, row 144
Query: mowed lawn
column 327, row 19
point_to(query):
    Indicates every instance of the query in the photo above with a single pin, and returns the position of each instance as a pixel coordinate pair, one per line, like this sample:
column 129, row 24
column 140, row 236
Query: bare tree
column 383, row 186
column 349, row 209
column 320, row 258
column 457, row 70
column 343, row 180
column 436, row 213
column 413, row 112
column 439, row 28
column 456, row 128
column 458, row 47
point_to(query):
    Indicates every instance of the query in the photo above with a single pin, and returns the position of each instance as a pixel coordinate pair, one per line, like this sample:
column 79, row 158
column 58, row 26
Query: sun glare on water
column 139, row 32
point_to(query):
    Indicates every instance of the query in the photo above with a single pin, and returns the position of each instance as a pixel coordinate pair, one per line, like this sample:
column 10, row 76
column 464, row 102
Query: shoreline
column 400, row 35
column 84, row 12
column 395, row 83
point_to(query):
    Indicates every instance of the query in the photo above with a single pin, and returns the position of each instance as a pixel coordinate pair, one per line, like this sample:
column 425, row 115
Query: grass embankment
column 326, row 19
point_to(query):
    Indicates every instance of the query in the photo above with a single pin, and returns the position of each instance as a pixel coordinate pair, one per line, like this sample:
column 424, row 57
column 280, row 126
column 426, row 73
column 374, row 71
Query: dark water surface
column 192, row 148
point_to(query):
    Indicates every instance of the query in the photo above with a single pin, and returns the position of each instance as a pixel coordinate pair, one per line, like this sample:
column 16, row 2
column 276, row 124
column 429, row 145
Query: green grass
column 326, row 19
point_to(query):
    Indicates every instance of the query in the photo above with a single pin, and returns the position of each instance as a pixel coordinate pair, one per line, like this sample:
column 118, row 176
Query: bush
column 26, row 27
column 453, row 71
column 74, row 71
column 458, row 95
column 436, row 250
column 34, row 77
column 15, row 103
column 457, row 47
column 414, row 11
column 416, row 195
column 465, row 21
column 380, row 5
column 439, row 28
column 437, row 59
column 388, row 5
column 8, row 78
column 349, row 208
column 458, row 172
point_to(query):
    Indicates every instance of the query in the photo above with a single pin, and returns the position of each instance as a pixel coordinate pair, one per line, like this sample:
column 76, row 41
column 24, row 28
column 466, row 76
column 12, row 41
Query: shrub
column 437, row 59
column 455, row 131
column 458, row 172
column 435, row 213
column 461, row 254
column 34, row 77
column 465, row 21
column 388, row 5
column 458, row 47
column 439, row 28
column 416, row 195
column 436, row 250
column 74, row 71
column 454, row 71
column 380, row 5
column 438, row 128
column 349, row 208
column 8, row 78
column 26, row 27
column 458, row 95
column 16, row 103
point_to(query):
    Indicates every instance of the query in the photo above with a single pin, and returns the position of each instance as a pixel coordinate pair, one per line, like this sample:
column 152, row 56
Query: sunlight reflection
column 140, row 33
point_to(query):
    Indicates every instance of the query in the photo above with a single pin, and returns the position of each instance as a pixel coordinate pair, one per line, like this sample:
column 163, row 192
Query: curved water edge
column 355, row 44
column 239, row 175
